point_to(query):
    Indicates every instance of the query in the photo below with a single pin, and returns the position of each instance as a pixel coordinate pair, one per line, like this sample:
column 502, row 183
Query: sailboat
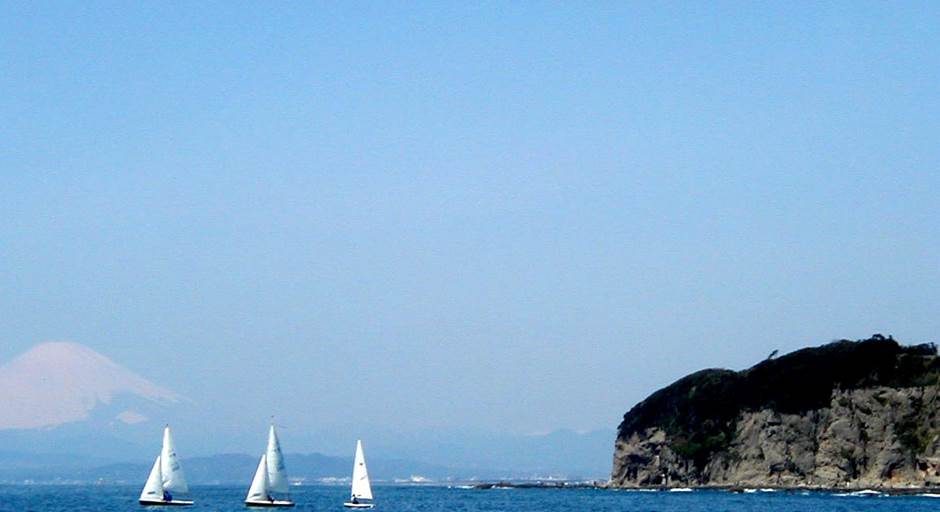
column 270, row 477
column 166, row 477
column 361, row 490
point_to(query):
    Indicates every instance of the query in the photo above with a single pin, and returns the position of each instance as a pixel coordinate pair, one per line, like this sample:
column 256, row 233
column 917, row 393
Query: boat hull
column 349, row 504
column 275, row 503
column 162, row 503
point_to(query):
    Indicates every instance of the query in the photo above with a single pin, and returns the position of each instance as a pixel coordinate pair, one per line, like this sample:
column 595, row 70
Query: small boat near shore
column 166, row 477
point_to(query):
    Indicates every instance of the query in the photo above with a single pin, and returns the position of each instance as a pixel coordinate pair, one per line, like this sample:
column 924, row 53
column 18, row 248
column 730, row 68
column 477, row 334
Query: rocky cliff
column 847, row 414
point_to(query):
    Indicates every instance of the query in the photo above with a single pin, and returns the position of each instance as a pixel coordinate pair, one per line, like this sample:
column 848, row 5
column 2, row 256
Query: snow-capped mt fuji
column 58, row 383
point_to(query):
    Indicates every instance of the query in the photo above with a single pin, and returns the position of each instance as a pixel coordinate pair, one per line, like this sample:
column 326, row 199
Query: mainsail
column 153, row 489
column 170, row 468
column 277, row 474
column 360, row 479
column 259, row 486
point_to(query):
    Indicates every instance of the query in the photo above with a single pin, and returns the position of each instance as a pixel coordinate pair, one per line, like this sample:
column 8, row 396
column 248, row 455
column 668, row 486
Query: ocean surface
column 53, row 498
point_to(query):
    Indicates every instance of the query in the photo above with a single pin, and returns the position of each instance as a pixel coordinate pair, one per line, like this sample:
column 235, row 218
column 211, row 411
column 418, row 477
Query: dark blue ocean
column 54, row 498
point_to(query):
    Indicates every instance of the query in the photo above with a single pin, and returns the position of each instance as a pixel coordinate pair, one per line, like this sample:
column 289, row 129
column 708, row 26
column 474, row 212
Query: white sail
column 360, row 479
column 172, row 472
column 153, row 489
column 259, row 486
column 277, row 473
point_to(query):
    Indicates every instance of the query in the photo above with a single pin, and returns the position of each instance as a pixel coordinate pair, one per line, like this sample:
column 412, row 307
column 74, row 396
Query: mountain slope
column 57, row 383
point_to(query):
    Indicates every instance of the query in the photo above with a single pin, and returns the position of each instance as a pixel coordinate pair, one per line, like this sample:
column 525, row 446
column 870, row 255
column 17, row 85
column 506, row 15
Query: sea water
column 69, row 498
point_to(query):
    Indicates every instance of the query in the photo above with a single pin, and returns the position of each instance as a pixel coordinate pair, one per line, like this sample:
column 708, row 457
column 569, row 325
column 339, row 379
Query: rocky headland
column 850, row 414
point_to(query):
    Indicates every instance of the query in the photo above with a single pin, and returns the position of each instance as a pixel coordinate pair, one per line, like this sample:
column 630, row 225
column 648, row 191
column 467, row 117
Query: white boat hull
column 350, row 504
column 269, row 503
column 164, row 503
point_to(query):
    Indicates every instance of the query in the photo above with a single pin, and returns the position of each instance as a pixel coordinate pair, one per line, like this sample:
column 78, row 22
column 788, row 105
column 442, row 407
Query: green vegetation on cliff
column 699, row 411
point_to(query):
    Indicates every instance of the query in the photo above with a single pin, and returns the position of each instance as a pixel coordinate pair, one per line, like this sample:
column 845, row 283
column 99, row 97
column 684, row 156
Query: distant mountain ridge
column 310, row 468
column 562, row 453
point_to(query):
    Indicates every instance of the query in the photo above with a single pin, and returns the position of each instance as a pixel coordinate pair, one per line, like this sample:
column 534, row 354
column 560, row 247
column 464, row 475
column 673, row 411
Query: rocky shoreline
column 888, row 491
column 844, row 417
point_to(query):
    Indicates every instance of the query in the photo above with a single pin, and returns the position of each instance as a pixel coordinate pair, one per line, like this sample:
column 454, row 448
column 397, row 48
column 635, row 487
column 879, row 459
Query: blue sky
column 509, row 216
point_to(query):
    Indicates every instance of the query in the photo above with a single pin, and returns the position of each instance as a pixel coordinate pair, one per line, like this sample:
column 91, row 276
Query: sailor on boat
column 166, row 477
column 270, row 477
column 361, row 489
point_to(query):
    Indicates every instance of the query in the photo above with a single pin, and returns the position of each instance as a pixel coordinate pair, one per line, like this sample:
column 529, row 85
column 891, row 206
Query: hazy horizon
column 510, row 218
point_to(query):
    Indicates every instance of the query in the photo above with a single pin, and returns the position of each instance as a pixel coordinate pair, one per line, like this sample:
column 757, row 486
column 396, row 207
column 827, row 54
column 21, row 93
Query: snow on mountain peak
column 61, row 382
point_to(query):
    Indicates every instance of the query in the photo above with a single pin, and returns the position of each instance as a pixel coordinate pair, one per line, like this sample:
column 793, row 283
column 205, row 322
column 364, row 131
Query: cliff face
column 847, row 414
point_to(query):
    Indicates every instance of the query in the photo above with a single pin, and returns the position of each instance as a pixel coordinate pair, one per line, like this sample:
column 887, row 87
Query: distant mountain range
column 217, row 469
column 563, row 453
column 70, row 413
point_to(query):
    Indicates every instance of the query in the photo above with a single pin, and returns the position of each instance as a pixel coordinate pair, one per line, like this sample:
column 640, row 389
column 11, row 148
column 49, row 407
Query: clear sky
column 511, row 216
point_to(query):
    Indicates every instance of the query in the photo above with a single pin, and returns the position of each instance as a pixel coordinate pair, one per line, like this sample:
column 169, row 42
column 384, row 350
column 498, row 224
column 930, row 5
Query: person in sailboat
column 167, row 496
column 355, row 500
